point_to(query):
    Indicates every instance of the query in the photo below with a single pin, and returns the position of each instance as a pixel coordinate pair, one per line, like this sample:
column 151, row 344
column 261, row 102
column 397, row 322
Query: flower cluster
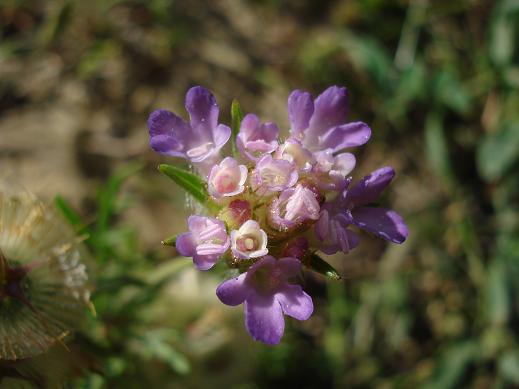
column 275, row 202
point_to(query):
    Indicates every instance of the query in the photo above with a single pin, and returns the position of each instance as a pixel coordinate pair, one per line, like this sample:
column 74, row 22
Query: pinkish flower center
column 247, row 242
column 225, row 181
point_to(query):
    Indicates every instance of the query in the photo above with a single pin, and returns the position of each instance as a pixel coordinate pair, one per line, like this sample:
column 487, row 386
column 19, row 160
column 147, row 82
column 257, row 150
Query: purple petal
column 368, row 189
column 264, row 318
column 205, row 262
column 300, row 110
column 221, row 135
column 344, row 136
column 295, row 302
column 289, row 266
column 185, row 244
column 234, row 291
column 331, row 108
column 169, row 134
column 203, row 111
column 382, row 222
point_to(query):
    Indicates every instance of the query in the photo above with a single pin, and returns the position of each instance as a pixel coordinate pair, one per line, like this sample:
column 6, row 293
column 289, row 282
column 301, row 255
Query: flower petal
column 264, row 318
column 185, row 244
column 203, row 111
column 300, row 110
column 344, row 136
column 382, row 222
column 295, row 302
column 169, row 134
column 368, row 189
column 331, row 108
column 289, row 266
column 205, row 262
column 233, row 291
column 221, row 135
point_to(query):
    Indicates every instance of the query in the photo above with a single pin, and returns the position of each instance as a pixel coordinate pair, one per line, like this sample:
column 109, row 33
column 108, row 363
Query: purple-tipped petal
column 330, row 110
column 185, row 244
column 344, row 136
column 368, row 189
column 264, row 318
column 295, row 302
column 203, row 111
column 382, row 222
column 300, row 110
column 234, row 291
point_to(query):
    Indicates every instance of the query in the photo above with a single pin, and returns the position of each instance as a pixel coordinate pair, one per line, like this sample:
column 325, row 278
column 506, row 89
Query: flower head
column 250, row 241
column 267, row 295
column 43, row 279
column 320, row 124
column 206, row 241
column 331, row 170
column 196, row 141
column 227, row 178
column 255, row 139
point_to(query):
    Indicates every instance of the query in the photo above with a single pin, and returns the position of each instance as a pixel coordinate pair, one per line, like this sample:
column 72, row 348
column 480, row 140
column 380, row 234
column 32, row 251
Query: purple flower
column 198, row 140
column 266, row 296
column 293, row 151
column 255, row 139
column 227, row 178
column 206, row 241
column 250, row 241
column 296, row 248
column 320, row 124
column 331, row 170
column 273, row 175
column 293, row 207
column 351, row 207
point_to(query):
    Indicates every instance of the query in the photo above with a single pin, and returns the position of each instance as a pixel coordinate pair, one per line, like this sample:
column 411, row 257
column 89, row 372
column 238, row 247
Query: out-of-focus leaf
column 319, row 265
column 157, row 347
column 499, row 152
column 188, row 181
column 502, row 35
column 367, row 54
column 508, row 367
column 436, row 147
column 498, row 299
column 69, row 213
column 451, row 92
column 236, row 118
column 452, row 365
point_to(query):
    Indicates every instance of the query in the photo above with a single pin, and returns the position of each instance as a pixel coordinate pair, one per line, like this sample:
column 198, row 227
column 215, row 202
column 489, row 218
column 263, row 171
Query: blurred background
column 437, row 81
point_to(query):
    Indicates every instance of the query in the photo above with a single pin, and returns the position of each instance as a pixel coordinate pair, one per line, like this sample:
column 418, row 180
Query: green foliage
column 236, row 118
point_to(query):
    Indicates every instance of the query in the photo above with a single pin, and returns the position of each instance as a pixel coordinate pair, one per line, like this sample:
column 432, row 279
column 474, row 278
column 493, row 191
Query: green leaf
column 171, row 241
column 236, row 118
column 452, row 365
column 508, row 367
column 156, row 346
column 319, row 265
column 190, row 182
column 498, row 299
column 436, row 147
column 69, row 213
column 498, row 152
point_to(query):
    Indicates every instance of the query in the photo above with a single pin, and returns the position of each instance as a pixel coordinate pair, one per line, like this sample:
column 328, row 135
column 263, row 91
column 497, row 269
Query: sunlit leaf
column 319, row 265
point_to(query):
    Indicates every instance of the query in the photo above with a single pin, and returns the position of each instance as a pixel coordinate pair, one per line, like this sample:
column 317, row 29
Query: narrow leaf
column 236, row 118
column 319, row 265
column 190, row 182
